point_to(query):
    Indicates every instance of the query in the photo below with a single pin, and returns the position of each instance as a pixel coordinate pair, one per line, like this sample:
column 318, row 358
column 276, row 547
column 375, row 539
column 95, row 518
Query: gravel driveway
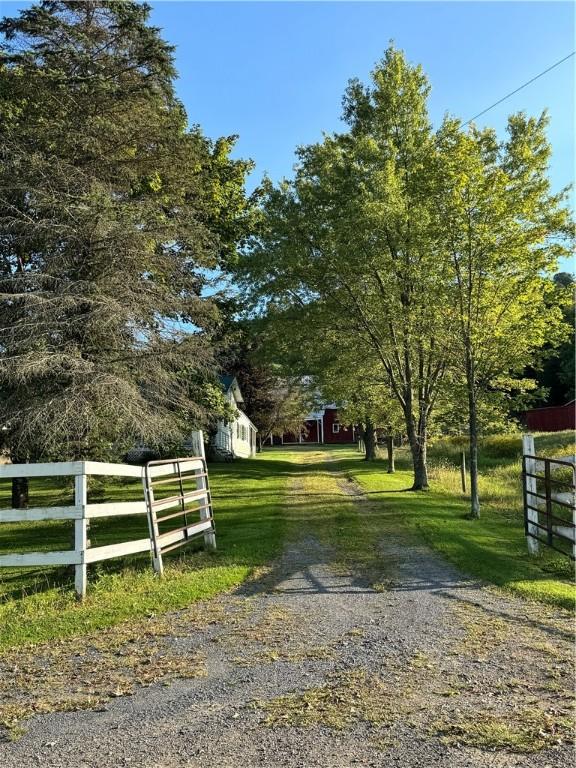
column 310, row 666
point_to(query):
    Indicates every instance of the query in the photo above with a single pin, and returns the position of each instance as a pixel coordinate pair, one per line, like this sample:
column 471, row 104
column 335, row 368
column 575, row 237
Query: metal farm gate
column 549, row 491
column 177, row 490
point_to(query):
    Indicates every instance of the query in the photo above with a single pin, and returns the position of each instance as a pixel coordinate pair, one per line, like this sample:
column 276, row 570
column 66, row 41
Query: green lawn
column 254, row 516
column 39, row 604
column 492, row 548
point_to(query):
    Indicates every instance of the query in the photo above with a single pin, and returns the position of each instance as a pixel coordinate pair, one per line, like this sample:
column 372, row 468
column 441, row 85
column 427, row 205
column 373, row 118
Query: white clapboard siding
column 95, row 554
column 115, row 509
column 39, row 513
column 69, row 557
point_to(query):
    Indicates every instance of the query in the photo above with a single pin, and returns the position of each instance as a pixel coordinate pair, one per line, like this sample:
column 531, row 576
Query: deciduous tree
column 348, row 243
column 502, row 230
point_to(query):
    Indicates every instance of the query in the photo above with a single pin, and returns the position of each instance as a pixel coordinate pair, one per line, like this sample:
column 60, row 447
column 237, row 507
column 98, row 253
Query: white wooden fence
column 81, row 512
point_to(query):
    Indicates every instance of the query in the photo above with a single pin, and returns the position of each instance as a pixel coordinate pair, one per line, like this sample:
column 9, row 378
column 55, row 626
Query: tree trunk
column 390, row 446
column 417, row 438
column 258, row 443
column 473, row 435
column 20, row 493
column 369, row 441
column 420, row 467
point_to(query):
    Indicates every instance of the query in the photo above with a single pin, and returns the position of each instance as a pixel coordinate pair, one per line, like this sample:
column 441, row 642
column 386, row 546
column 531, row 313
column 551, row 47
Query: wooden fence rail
column 82, row 512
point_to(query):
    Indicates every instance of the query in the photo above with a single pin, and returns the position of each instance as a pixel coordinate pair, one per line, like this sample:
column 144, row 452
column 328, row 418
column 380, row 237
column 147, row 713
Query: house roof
column 226, row 381
column 230, row 384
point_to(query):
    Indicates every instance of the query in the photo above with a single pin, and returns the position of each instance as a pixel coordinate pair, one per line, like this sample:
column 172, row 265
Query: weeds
column 524, row 731
column 347, row 698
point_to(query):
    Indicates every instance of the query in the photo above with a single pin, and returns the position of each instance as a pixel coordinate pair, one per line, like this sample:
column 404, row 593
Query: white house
column 238, row 436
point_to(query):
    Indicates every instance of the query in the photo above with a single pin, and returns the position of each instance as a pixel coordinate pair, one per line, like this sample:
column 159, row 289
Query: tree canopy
column 112, row 213
column 424, row 253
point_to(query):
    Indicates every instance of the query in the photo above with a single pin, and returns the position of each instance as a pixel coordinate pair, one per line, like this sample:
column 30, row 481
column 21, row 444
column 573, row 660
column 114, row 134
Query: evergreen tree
column 112, row 211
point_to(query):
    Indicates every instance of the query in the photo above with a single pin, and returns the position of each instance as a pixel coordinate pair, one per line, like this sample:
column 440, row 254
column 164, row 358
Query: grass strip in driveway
column 493, row 548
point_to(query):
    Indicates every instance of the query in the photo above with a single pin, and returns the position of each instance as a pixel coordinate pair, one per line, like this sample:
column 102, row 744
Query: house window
column 336, row 427
column 238, row 430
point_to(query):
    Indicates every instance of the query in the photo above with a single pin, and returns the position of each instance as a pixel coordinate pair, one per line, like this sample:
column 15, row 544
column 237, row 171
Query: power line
column 518, row 89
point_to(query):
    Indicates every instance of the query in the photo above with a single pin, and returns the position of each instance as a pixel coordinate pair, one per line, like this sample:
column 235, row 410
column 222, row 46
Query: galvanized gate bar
column 555, row 529
column 180, row 471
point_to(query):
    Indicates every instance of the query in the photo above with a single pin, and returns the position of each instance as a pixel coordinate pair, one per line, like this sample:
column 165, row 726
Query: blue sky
column 275, row 72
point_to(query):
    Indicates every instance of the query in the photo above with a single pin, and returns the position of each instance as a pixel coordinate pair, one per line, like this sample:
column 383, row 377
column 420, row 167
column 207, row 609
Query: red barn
column 321, row 427
column 552, row 419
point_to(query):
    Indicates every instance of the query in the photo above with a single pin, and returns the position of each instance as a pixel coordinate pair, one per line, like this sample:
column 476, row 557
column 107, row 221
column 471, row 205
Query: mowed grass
column 279, row 495
column 493, row 548
column 38, row 604
column 319, row 508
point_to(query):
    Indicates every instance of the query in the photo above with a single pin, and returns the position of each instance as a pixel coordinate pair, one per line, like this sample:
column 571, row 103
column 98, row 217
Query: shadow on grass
column 251, row 525
column 248, row 522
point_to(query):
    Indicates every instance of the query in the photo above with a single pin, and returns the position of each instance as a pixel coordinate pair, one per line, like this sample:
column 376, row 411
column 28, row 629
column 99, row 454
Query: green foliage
column 422, row 258
column 216, row 403
column 112, row 211
column 39, row 605
column 502, row 231
column 345, row 247
column 554, row 368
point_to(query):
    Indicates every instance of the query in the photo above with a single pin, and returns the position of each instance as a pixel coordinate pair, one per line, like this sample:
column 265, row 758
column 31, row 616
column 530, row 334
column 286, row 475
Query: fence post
column 81, row 533
column 390, row 447
column 153, row 529
column 548, row 494
column 201, row 444
column 530, row 490
column 209, row 535
column 463, row 470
